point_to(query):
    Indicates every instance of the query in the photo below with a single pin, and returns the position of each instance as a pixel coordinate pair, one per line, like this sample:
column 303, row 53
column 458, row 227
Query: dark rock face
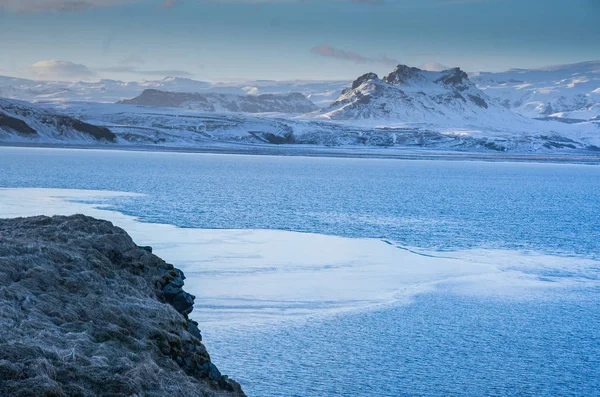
column 211, row 102
column 17, row 125
column 479, row 101
column 453, row 76
column 174, row 294
column 85, row 312
column 363, row 78
column 98, row 133
column 402, row 74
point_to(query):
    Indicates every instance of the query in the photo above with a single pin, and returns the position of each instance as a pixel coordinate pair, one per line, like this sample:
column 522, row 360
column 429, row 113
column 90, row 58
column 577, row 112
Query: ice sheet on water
column 252, row 276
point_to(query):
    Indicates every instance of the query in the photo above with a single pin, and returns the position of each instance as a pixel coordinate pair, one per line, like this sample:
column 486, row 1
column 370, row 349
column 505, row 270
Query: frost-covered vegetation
column 84, row 311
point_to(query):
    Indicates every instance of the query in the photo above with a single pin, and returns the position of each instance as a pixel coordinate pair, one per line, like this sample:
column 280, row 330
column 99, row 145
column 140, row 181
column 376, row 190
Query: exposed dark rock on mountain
column 211, row 102
column 86, row 312
column 98, row 133
column 16, row 125
column 402, row 74
column 27, row 120
column 455, row 77
column 363, row 78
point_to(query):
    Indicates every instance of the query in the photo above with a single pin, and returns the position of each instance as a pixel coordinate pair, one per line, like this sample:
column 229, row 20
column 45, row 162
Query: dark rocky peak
column 365, row 77
column 454, row 76
column 402, row 74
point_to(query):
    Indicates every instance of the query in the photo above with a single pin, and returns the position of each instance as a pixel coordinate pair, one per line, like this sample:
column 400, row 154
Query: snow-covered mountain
column 212, row 102
column 21, row 121
column 412, row 95
column 109, row 91
column 567, row 92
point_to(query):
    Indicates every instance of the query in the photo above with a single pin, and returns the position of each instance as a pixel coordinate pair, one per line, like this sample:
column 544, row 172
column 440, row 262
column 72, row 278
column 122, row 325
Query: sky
column 233, row 40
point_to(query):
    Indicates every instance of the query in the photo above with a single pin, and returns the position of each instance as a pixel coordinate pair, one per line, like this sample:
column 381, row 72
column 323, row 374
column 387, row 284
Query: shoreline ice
column 297, row 150
column 248, row 277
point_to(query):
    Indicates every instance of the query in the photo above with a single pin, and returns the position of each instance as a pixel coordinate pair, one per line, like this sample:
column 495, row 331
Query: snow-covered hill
column 211, row 102
column 21, row 121
column 568, row 92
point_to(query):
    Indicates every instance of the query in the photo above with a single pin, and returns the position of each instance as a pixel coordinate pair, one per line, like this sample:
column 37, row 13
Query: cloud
column 351, row 56
column 27, row 6
column 24, row 6
column 60, row 70
column 328, row 51
column 150, row 73
column 70, row 71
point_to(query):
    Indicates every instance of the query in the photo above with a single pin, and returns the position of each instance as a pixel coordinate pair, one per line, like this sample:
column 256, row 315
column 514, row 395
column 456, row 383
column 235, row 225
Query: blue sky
column 287, row 39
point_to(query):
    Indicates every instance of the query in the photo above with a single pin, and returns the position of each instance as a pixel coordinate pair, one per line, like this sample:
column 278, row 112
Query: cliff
column 84, row 311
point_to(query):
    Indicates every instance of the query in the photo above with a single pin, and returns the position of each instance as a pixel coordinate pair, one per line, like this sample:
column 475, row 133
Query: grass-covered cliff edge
column 84, row 311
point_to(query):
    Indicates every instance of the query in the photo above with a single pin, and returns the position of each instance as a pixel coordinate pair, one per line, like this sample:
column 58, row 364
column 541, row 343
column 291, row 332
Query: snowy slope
column 22, row 121
column 211, row 102
column 142, row 125
column 564, row 91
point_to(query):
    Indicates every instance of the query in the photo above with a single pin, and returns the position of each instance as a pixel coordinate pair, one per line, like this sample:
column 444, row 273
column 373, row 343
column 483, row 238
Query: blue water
column 430, row 204
column 441, row 344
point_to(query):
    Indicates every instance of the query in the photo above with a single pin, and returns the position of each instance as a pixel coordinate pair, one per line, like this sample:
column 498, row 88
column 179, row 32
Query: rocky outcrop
column 84, row 311
column 365, row 77
column 212, row 102
column 402, row 74
column 454, row 77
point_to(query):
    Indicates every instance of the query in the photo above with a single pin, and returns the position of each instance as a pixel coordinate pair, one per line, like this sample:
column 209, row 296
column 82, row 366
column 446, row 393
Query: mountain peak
column 363, row 78
column 454, row 76
column 401, row 74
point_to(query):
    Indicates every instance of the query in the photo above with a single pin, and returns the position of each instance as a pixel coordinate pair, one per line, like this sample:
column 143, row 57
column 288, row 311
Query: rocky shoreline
column 86, row 312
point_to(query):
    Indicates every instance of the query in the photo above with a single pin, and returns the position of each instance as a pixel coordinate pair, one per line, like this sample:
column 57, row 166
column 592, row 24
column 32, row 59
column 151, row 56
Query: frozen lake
column 358, row 277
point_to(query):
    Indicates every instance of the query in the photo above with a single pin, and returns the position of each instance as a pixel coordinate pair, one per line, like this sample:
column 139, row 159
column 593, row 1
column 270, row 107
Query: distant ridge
column 211, row 102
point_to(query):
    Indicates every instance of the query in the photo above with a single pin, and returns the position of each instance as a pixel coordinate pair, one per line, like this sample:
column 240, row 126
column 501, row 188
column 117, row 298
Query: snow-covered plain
column 248, row 277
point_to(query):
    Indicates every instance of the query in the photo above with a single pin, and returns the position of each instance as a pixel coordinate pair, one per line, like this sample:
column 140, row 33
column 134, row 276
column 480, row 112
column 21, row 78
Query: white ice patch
column 252, row 276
